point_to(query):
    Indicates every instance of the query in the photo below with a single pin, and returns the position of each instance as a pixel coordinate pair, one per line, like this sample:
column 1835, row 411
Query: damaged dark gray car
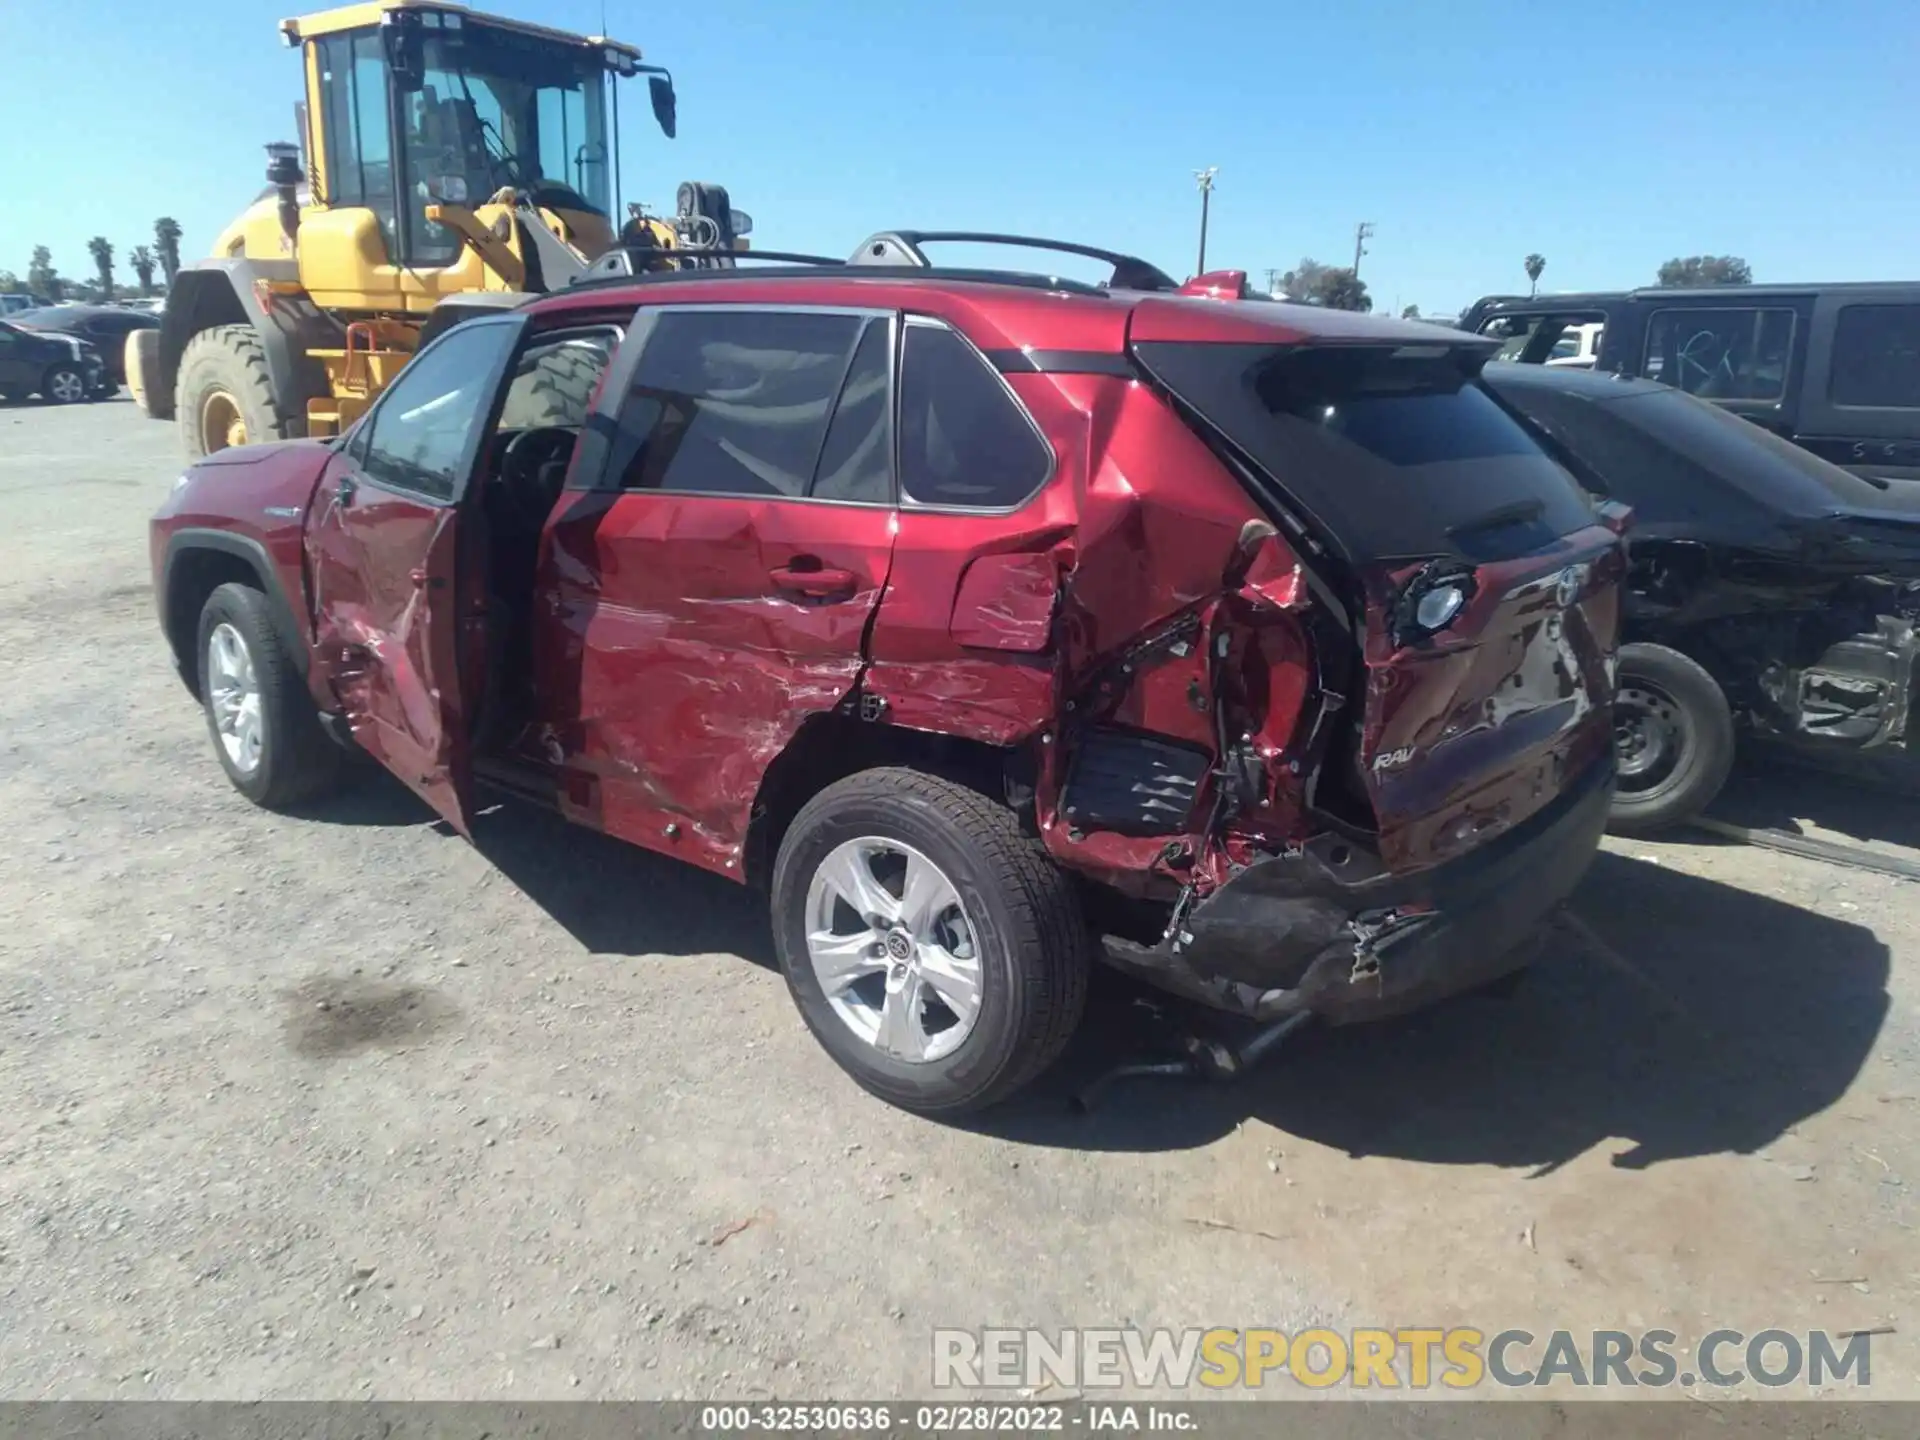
column 1771, row 595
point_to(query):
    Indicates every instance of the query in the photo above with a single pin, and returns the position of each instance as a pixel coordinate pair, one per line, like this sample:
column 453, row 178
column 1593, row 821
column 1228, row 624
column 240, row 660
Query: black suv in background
column 1835, row 368
column 60, row 368
column 105, row 327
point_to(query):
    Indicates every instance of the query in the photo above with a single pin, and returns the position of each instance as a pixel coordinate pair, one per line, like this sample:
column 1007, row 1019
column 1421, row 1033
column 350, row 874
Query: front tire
column 63, row 384
column 933, row 949
column 266, row 732
column 223, row 395
column 1674, row 742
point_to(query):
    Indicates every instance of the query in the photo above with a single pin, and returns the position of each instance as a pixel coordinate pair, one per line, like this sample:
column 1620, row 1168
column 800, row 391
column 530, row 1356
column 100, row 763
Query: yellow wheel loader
column 449, row 162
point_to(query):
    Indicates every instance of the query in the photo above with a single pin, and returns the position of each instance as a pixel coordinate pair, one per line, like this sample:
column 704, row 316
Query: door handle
column 820, row 584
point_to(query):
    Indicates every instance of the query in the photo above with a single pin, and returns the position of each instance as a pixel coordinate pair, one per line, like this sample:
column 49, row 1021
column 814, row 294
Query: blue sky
column 1606, row 136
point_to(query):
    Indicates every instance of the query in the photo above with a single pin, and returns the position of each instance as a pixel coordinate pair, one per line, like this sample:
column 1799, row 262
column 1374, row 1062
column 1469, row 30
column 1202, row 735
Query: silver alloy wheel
column 233, row 693
column 893, row 949
column 67, row 386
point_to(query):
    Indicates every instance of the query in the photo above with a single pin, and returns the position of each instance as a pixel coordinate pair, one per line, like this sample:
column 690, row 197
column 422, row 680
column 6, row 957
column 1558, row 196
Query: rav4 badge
column 1391, row 758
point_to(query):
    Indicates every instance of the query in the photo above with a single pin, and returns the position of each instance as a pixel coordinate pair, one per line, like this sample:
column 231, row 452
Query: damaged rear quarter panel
column 1160, row 584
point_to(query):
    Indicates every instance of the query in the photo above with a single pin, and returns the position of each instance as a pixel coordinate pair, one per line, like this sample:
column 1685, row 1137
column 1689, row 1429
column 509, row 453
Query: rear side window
column 1395, row 456
column 856, row 462
column 1876, row 357
column 1513, row 332
column 1676, row 459
column 734, row 402
column 965, row 441
column 1721, row 353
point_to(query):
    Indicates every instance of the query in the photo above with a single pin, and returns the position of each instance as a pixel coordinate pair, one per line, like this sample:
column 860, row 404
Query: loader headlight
column 1438, row 606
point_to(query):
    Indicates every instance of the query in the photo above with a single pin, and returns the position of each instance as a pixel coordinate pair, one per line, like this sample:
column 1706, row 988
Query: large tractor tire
column 224, row 396
column 560, row 390
column 142, row 364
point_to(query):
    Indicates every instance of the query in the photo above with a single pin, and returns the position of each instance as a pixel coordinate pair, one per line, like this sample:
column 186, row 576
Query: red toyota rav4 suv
column 990, row 622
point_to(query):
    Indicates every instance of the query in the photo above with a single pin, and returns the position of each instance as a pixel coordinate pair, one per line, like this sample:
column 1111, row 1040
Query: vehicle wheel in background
column 265, row 730
column 1673, row 734
column 561, row 391
column 223, row 396
column 63, row 384
column 141, row 361
column 934, row 949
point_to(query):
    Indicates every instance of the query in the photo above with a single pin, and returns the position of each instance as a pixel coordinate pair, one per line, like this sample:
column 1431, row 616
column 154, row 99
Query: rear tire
column 290, row 759
column 1030, row 951
column 63, row 384
column 1674, row 736
column 224, row 393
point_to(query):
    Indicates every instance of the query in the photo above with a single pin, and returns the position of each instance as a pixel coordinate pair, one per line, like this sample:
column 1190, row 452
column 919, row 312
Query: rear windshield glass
column 1657, row 448
column 1393, row 455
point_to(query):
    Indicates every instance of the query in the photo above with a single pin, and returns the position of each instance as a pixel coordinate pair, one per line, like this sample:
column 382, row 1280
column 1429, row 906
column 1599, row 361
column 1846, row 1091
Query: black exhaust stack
column 284, row 175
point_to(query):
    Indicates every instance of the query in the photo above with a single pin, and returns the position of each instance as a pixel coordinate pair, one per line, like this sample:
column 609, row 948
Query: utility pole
column 1362, row 233
column 1273, row 281
column 1205, row 181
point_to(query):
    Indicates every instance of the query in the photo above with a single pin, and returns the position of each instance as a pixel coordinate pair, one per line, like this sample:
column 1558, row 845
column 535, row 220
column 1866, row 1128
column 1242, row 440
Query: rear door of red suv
column 710, row 590
column 1479, row 581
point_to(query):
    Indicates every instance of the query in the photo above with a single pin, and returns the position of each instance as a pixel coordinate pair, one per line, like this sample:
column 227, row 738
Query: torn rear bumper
column 1326, row 930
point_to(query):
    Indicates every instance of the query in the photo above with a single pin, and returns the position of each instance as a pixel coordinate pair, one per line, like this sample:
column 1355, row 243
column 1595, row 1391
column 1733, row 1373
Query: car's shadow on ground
column 614, row 898
column 1674, row 1014
column 1876, row 799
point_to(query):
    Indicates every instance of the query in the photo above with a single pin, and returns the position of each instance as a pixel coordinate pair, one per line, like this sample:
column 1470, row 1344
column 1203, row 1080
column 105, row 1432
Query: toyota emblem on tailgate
column 1572, row 580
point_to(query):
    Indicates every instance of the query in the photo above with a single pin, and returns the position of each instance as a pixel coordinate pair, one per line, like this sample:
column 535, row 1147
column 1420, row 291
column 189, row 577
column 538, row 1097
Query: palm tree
column 1535, row 264
column 166, row 240
column 141, row 259
column 102, row 254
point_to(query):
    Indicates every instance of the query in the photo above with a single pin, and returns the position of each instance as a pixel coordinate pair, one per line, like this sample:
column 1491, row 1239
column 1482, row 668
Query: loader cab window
column 493, row 110
column 355, row 130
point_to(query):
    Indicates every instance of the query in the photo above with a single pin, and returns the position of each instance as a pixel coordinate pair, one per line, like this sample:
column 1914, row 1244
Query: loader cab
column 434, row 106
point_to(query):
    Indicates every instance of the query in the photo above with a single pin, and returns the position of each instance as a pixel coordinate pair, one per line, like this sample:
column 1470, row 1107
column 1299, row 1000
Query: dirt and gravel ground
column 345, row 1106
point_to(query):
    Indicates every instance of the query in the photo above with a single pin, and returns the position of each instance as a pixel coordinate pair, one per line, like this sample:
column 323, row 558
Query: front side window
column 734, row 402
column 965, row 441
column 419, row 437
column 1876, row 357
column 1721, row 353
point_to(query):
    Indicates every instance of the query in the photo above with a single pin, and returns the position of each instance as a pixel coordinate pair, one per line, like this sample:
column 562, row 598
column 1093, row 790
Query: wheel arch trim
column 233, row 291
column 180, row 629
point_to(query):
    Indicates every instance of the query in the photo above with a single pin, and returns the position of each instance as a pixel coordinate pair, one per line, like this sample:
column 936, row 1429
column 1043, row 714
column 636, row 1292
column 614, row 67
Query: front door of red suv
column 713, row 592
column 382, row 547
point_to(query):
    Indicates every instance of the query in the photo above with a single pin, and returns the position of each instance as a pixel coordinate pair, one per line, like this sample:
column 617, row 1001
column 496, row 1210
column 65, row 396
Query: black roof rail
column 903, row 248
